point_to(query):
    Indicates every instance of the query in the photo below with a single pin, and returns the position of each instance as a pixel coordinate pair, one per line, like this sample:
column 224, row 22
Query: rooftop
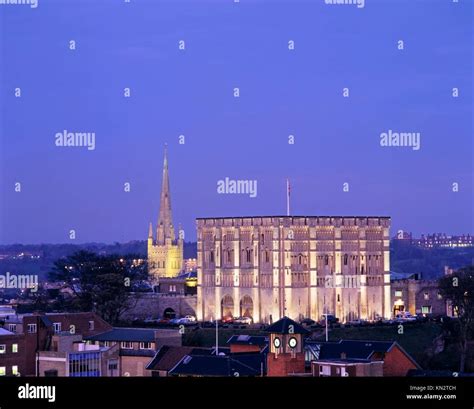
column 168, row 356
column 294, row 217
column 346, row 350
column 259, row 340
column 5, row 332
column 286, row 326
column 211, row 365
column 126, row 335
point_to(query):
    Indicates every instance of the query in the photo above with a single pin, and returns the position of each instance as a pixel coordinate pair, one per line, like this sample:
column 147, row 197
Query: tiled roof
column 138, row 352
column 259, row 340
column 211, row 365
column 5, row 332
column 168, row 356
column 352, row 349
column 286, row 326
column 125, row 335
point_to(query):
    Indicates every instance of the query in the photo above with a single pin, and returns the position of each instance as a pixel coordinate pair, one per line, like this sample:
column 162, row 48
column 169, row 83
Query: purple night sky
column 190, row 92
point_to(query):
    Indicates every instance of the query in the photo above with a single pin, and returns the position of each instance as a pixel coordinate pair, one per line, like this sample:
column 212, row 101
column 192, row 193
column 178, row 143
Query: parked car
column 354, row 323
column 227, row 319
column 307, row 321
column 332, row 319
column 405, row 317
column 243, row 320
column 187, row 320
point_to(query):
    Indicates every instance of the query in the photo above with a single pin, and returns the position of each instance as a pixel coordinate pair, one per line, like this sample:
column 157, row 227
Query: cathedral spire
column 165, row 229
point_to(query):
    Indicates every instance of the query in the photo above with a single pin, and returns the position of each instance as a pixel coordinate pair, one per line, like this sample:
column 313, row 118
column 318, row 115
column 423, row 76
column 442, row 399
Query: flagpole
column 217, row 336
column 287, row 197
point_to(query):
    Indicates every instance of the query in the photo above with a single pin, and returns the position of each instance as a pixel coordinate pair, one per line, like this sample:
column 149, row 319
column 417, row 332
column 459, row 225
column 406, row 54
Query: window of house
column 325, row 370
column 91, row 325
column 267, row 256
column 14, row 348
column 15, row 370
column 113, row 364
column 127, row 345
column 212, row 257
column 345, row 259
column 57, row 327
column 398, row 293
column 426, row 296
column 440, row 296
column 31, row 328
column 3, row 370
column 426, row 309
column 12, row 327
column 326, row 260
column 146, row 345
column 3, row 349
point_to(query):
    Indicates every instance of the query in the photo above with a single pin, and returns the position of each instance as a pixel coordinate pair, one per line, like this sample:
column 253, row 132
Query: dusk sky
column 191, row 92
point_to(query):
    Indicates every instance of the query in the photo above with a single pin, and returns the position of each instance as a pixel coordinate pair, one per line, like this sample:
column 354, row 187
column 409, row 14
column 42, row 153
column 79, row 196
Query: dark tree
column 100, row 283
column 458, row 289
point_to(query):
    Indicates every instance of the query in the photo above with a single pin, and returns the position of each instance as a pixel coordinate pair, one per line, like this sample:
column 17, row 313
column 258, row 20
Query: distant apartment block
column 436, row 240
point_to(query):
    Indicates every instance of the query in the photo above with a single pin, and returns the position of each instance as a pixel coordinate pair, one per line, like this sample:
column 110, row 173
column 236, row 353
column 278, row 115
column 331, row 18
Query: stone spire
column 165, row 229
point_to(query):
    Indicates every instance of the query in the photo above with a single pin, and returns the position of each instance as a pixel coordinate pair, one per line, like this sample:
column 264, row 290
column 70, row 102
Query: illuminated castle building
column 300, row 267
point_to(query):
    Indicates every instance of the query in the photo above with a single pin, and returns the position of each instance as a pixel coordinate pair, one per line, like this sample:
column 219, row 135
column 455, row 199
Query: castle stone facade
column 295, row 266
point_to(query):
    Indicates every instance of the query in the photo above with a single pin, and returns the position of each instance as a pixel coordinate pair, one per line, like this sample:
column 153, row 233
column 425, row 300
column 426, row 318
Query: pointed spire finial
column 165, row 230
column 150, row 231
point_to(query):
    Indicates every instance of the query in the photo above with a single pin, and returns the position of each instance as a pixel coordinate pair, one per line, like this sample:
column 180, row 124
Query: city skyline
column 190, row 92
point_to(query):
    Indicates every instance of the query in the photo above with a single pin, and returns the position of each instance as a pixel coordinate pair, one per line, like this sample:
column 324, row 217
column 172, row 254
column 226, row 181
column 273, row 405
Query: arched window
column 345, row 259
column 326, row 260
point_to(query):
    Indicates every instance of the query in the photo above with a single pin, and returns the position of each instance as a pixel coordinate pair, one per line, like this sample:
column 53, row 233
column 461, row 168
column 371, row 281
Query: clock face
column 293, row 342
column 277, row 343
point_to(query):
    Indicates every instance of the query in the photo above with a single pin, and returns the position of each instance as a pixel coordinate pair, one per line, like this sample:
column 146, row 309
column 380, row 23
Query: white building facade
column 295, row 266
